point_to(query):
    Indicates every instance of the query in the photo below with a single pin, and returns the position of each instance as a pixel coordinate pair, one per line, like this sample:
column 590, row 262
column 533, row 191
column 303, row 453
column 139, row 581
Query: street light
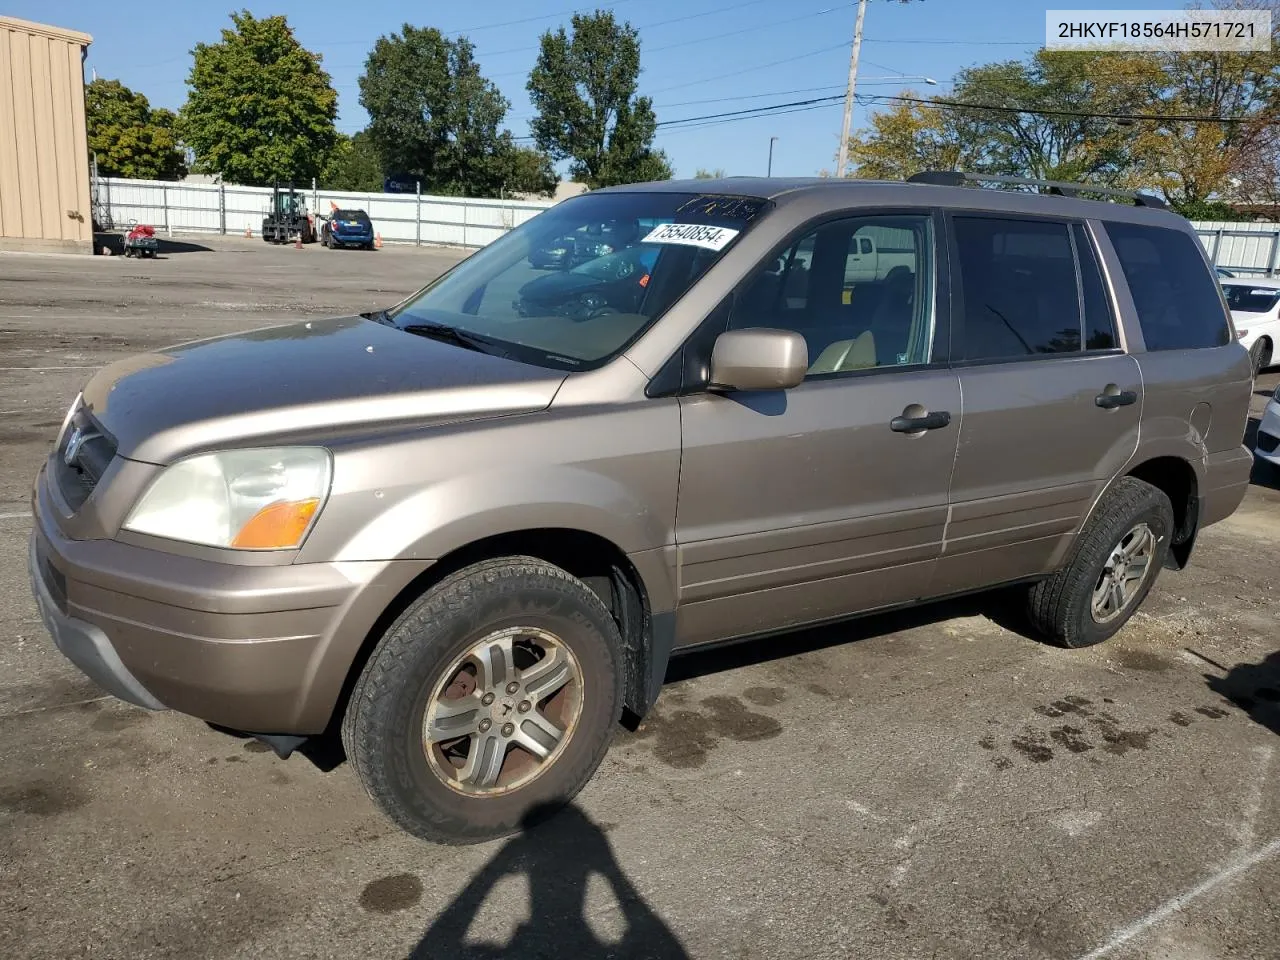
column 769, row 172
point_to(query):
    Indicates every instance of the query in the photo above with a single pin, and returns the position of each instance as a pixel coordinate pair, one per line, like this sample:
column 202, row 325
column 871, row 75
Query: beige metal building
column 44, row 153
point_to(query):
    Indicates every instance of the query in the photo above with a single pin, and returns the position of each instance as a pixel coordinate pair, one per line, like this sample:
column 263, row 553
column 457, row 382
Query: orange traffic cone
column 248, row 230
column 377, row 241
column 297, row 244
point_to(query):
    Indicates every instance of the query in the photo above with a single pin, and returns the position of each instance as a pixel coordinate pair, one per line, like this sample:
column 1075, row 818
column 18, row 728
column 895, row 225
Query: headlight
column 262, row 499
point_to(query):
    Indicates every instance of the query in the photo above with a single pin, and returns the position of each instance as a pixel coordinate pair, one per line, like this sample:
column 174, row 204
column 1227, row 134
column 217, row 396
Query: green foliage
column 530, row 171
column 584, row 89
column 1197, row 165
column 1209, row 210
column 433, row 114
column 128, row 137
column 353, row 165
column 704, row 174
column 260, row 106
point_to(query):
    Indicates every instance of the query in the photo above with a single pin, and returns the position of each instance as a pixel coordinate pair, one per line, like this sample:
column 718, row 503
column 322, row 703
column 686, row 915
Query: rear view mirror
column 758, row 359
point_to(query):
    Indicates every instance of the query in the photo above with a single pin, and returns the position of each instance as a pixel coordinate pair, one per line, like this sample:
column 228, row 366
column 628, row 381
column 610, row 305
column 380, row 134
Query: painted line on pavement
column 1235, row 866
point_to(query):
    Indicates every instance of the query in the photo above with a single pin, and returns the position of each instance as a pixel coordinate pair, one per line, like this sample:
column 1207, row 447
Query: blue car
column 348, row 228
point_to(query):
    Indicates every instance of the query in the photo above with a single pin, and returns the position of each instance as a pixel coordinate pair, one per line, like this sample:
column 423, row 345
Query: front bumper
column 81, row 642
column 257, row 647
column 1268, row 443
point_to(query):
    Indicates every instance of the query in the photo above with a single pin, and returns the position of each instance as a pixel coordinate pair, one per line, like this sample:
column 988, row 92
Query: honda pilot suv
column 468, row 532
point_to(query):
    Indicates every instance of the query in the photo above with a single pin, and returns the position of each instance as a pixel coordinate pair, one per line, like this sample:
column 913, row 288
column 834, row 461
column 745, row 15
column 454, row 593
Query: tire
column 1061, row 608
column 1260, row 355
column 410, row 671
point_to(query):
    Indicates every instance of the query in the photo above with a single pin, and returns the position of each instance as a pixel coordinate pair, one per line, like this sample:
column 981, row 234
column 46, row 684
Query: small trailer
column 140, row 241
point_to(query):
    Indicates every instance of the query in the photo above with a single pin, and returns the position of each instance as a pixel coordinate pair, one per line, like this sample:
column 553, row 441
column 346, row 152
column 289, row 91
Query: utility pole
column 843, row 157
column 769, row 172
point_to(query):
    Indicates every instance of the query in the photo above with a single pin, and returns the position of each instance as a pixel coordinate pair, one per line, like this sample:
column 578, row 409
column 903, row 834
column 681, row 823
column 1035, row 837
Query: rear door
column 1052, row 403
column 824, row 500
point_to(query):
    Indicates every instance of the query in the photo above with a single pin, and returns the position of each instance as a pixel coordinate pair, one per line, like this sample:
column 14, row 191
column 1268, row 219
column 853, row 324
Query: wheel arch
column 626, row 590
column 1178, row 480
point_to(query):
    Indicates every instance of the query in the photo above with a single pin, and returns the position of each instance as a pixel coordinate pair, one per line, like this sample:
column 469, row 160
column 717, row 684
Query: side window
column 1019, row 286
column 860, row 291
column 1173, row 290
column 1099, row 319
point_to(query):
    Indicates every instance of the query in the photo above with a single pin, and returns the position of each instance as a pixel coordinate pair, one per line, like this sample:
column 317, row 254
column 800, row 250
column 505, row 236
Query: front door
column 830, row 498
column 1051, row 402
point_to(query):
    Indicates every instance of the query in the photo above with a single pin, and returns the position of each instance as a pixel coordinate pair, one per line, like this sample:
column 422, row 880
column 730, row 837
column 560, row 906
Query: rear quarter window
column 1174, row 291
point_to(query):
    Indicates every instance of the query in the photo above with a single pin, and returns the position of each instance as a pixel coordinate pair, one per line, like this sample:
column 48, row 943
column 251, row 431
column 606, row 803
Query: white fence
column 224, row 208
column 1249, row 248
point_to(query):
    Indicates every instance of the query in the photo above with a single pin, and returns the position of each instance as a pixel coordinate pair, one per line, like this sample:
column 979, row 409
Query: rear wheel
column 1114, row 563
column 495, row 694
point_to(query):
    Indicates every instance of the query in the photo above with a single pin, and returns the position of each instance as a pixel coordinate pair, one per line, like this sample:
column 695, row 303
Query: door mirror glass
column 760, row 358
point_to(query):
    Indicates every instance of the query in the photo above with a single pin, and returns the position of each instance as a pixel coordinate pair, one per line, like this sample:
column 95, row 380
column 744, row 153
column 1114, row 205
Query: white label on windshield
column 692, row 235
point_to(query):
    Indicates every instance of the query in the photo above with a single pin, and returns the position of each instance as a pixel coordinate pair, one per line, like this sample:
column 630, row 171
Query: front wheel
column 1113, row 566
column 493, row 695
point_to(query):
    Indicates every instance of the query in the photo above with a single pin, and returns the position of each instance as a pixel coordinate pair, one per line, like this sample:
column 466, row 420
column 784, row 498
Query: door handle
column 929, row 421
column 1110, row 398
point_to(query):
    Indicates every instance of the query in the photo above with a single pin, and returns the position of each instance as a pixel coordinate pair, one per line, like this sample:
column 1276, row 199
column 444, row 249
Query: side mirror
column 758, row 359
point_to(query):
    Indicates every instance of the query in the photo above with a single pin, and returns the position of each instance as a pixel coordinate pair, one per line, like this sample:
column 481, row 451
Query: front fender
column 452, row 513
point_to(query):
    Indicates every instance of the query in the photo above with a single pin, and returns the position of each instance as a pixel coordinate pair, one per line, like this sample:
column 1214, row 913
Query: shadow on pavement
column 557, row 858
column 1254, row 688
column 1003, row 607
column 164, row 246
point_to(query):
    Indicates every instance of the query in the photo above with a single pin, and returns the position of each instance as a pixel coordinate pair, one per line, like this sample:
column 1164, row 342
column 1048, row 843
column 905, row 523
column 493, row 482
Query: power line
column 962, row 43
column 684, row 43
column 1175, row 118
column 751, row 69
column 764, row 111
column 494, row 26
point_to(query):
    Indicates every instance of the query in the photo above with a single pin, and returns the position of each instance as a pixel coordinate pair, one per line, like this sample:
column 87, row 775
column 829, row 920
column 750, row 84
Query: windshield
column 621, row 260
column 1249, row 299
column 350, row 215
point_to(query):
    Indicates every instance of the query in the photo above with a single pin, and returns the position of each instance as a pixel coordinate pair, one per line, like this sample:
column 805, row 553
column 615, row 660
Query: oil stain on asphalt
column 1085, row 728
column 391, row 894
column 682, row 738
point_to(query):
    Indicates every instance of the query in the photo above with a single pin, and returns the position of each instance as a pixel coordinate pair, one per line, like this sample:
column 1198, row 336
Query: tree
column 260, row 106
column 704, row 174
column 1055, row 117
column 1194, row 162
column 584, row 90
column 353, row 165
column 530, row 171
column 908, row 138
column 128, row 138
column 434, row 115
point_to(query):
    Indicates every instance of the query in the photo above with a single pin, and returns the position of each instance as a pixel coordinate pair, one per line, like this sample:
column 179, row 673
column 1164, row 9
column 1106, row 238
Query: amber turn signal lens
column 276, row 526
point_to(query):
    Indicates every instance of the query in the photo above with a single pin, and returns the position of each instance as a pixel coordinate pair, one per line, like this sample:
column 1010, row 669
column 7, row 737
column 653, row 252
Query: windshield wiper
column 379, row 316
column 448, row 334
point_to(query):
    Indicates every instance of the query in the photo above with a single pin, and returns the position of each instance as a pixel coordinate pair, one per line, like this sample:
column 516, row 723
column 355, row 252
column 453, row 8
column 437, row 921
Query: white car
column 1255, row 309
column 1268, row 444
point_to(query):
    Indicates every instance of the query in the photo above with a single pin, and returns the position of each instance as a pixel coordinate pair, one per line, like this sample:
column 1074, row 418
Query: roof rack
column 1063, row 188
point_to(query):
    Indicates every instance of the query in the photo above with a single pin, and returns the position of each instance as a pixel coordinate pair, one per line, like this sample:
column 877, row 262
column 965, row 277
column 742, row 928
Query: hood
column 303, row 379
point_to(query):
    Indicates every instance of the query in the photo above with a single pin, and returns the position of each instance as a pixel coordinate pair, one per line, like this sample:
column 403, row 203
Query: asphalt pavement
column 931, row 784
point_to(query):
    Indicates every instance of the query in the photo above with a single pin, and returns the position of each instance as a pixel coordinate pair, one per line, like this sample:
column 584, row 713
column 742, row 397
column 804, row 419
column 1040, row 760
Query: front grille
column 1267, row 443
column 83, row 455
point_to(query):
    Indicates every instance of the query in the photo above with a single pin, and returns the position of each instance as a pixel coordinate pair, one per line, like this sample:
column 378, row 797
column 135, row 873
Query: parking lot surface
column 930, row 784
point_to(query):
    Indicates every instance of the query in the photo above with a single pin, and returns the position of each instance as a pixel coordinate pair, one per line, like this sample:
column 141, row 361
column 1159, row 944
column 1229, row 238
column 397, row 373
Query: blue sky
column 698, row 56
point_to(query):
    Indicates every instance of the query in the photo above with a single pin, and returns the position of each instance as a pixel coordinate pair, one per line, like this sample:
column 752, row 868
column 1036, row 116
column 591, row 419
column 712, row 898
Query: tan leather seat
column 856, row 354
